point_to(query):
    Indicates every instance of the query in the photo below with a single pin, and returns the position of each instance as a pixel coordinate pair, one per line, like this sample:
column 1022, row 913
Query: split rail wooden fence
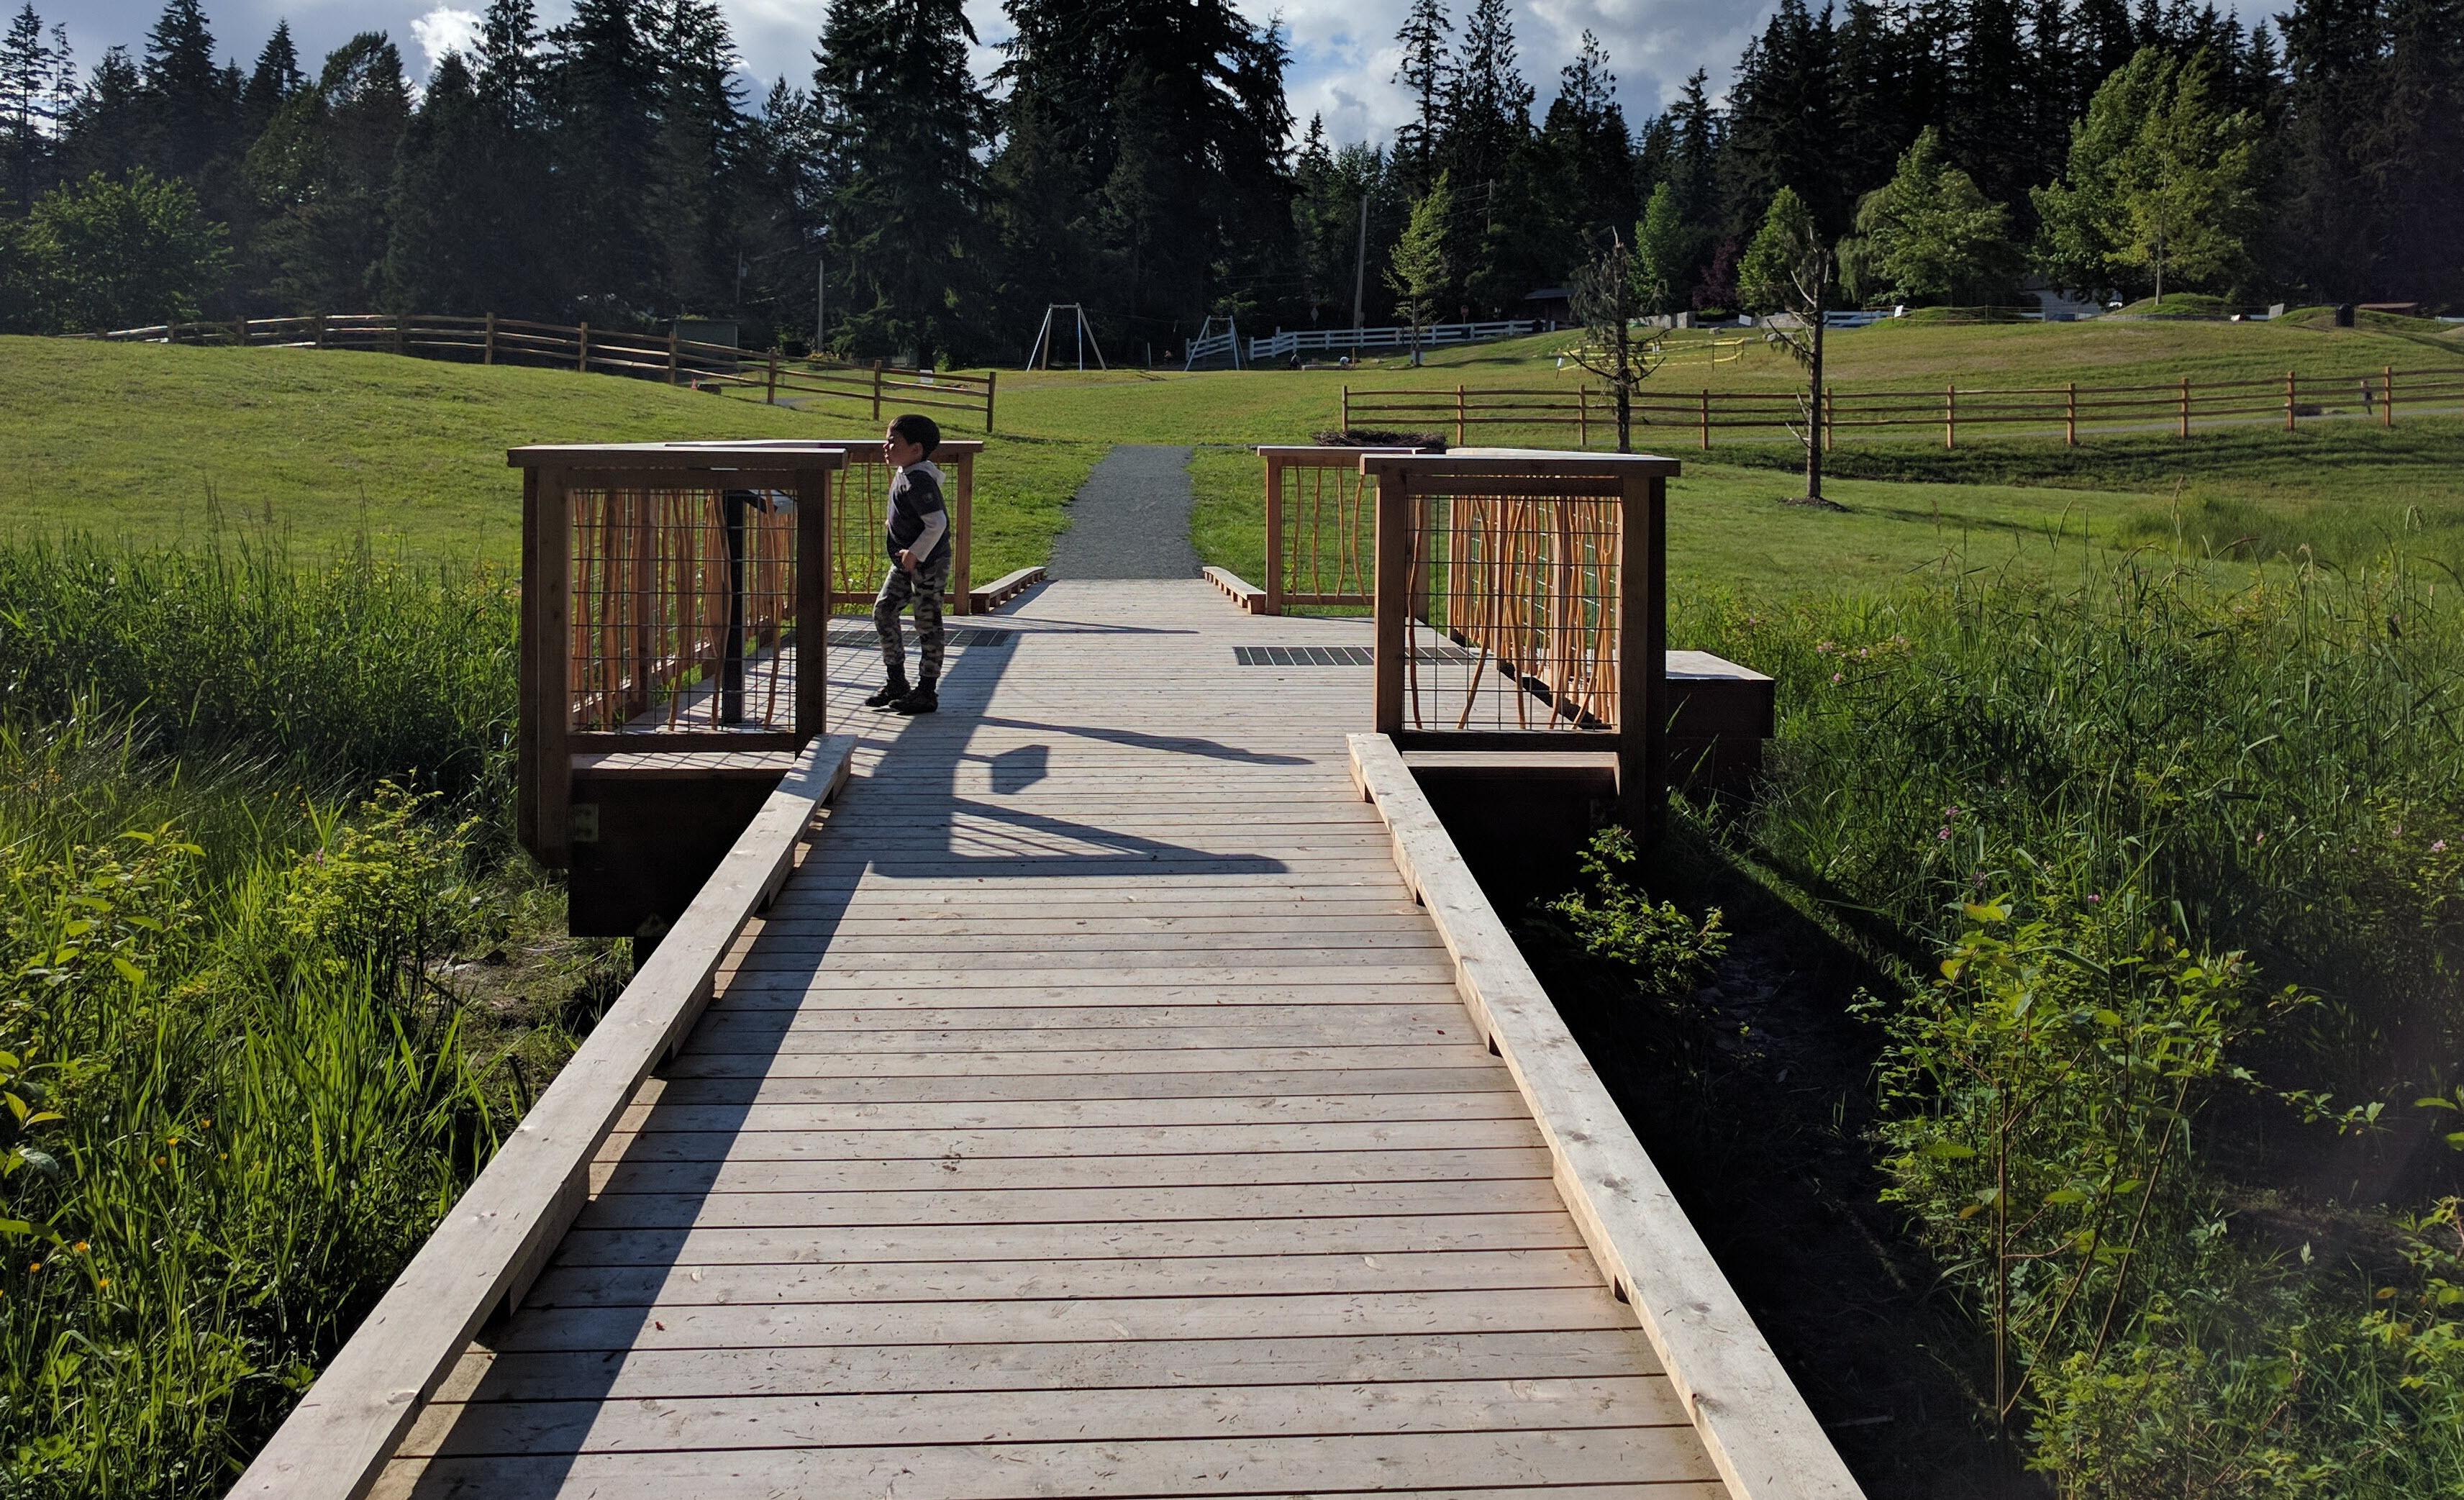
column 492, row 340
column 2069, row 409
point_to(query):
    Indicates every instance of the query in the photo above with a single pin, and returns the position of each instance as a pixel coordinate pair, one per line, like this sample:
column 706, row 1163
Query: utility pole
column 1359, row 277
column 820, row 305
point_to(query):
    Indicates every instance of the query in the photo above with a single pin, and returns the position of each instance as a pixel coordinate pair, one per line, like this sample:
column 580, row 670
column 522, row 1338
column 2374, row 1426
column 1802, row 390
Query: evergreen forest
column 1143, row 161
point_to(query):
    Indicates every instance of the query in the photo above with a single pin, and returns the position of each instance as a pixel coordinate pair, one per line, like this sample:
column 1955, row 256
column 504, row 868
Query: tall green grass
column 251, row 1075
column 2095, row 826
column 340, row 671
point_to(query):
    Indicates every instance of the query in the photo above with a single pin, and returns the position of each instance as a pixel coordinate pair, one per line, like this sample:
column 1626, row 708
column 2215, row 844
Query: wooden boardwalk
column 1093, row 1114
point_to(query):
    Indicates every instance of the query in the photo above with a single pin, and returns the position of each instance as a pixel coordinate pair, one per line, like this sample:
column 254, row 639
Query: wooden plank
column 502, row 1228
column 1766, row 1443
column 1061, row 1243
column 1595, row 1402
column 995, row 1087
column 1178, row 1027
column 1137, row 1205
column 770, row 1284
column 781, row 1065
column 660, row 1140
column 1448, row 1464
column 676, row 1110
column 1021, row 1175
column 1071, row 1319
column 485, row 1376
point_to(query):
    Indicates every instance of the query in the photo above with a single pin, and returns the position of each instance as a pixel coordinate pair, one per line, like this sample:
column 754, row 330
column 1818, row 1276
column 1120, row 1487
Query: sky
column 1343, row 50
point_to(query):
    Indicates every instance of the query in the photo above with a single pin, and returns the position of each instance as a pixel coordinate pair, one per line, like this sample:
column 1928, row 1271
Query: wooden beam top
column 1548, row 463
column 773, row 457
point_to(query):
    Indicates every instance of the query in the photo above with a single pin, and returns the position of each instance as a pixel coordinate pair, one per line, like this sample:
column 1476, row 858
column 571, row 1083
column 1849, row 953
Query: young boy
column 919, row 566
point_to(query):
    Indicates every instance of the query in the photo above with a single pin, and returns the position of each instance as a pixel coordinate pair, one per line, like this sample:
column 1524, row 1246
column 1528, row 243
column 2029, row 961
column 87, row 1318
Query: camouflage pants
column 924, row 587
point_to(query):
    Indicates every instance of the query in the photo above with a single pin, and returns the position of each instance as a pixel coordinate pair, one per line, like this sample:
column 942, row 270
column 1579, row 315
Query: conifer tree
column 902, row 119
column 104, row 131
column 1426, row 72
column 31, row 67
column 276, row 78
column 325, row 167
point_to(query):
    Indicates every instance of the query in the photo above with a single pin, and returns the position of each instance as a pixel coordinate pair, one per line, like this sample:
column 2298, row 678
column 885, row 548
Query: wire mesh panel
column 1321, row 528
column 680, row 604
column 1527, row 585
column 1520, row 605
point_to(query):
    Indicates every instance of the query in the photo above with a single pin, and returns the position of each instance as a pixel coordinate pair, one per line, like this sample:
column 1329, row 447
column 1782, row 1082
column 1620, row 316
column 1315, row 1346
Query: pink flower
column 2439, row 848
column 1837, row 677
column 1942, row 833
column 2093, row 898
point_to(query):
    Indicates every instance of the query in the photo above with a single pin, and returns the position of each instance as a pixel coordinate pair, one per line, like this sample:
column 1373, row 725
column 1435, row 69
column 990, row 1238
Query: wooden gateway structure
column 1114, row 1085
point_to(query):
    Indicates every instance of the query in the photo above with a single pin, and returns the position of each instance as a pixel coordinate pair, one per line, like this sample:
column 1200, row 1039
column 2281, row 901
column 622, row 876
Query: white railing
column 1285, row 343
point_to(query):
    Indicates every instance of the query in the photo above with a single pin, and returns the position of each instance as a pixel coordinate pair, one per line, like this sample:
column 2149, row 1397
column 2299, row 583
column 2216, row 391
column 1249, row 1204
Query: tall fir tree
column 903, row 120
column 1425, row 71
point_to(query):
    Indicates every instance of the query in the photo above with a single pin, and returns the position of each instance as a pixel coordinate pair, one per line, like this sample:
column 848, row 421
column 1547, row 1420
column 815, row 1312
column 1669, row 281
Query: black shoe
column 923, row 700
column 890, row 692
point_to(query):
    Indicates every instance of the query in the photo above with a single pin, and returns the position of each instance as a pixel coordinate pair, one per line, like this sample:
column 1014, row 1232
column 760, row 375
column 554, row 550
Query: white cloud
column 445, row 29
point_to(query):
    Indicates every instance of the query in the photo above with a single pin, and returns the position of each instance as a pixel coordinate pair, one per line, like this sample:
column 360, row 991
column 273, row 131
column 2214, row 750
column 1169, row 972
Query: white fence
column 1286, row 342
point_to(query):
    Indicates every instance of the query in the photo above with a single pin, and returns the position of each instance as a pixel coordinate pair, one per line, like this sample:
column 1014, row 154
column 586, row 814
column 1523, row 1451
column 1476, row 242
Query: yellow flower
column 79, row 1246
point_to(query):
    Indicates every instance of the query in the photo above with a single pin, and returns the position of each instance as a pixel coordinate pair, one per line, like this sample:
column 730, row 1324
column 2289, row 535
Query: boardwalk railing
column 654, row 575
column 1954, row 412
column 491, row 340
column 1321, row 515
column 497, row 1237
column 1521, row 603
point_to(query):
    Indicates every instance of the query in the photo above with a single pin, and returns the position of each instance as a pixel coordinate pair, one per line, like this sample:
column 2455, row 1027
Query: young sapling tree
column 1788, row 271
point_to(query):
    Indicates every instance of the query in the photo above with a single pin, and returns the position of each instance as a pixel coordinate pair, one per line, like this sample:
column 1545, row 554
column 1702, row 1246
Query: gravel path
column 1131, row 518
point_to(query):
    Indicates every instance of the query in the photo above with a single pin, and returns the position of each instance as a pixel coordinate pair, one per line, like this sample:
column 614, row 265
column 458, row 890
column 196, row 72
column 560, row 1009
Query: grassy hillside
column 1276, row 406
column 161, row 445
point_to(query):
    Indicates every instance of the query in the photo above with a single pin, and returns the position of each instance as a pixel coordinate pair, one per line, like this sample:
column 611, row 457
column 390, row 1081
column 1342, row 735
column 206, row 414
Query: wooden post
column 1707, row 421
column 813, row 601
column 581, row 360
column 526, row 670
column 2186, row 405
column 1830, row 414
column 877, row 390
column 1458, row 416
column 320, row 330
column 992, row 378
column 1950, row 417
column 1346, row 425
column 553, row 706
column 962, row 545
column 1582, row 416
column 2386, row 403
column 1642, row 657
column 675, row 352
column 770, row 391
column 239, row 331
column 401, row 333
column 2070, row 416
column 2288, row 401
column 1392, row 590
column 488, row 347
column 1274, row 535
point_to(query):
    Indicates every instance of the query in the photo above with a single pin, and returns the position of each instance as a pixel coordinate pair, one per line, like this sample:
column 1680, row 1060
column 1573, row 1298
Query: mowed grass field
column 162, row 446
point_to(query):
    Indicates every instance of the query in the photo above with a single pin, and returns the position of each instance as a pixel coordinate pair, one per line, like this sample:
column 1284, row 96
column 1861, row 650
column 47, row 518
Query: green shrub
column 1663, row 952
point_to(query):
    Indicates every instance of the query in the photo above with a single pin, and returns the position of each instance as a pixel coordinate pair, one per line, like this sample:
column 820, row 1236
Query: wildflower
column 30, row 1270
column 1823, row 648
column 1943, row 833
column 2439, row 848
column 2094, row 899
column 1837, row 677
column 79, row 1246
column 102, row 1283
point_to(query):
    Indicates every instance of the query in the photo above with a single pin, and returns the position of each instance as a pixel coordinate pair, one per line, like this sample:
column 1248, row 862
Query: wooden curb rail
column 488, row 1250
column 1762, row 1437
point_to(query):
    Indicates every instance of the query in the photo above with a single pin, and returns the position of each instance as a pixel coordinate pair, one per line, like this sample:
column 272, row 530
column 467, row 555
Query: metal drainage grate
column 1331, row 656
column 959, row 636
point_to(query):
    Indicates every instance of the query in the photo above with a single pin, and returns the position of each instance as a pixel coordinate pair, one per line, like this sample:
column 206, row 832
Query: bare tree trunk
column 1625, row 384
column 1813, row 386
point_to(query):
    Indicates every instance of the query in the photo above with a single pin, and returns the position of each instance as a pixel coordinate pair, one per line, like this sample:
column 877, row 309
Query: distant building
column 1552, row 305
